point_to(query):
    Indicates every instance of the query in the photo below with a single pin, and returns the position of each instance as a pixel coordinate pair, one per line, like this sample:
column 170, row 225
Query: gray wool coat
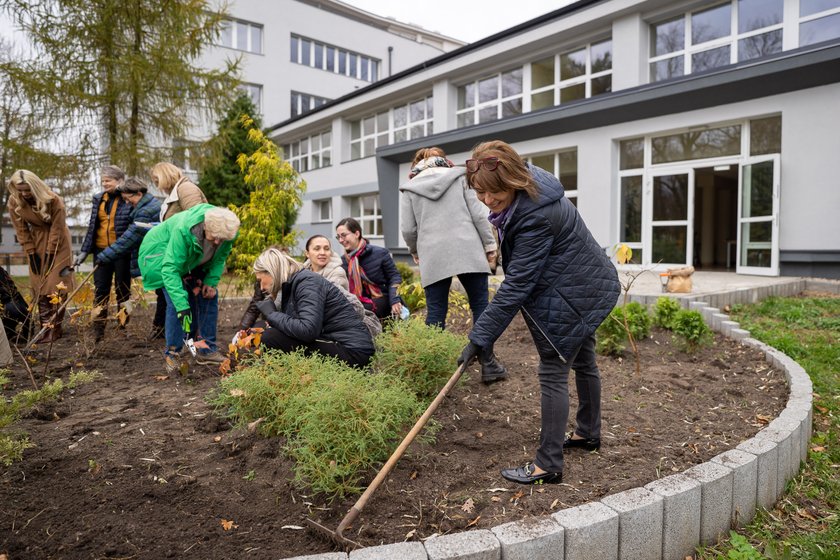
column 445, row 225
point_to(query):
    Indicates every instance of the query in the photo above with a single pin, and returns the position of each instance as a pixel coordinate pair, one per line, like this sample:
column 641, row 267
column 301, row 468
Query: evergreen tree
column 221, row 178
column 129, row 65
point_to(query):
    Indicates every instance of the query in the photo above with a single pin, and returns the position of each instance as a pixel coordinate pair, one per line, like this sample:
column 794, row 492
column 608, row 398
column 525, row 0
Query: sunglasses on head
column 489, row 163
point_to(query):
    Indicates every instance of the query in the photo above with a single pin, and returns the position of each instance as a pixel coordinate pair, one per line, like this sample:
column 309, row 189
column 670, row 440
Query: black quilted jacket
column 555, row 272
column 313, row 308
column 122, row 219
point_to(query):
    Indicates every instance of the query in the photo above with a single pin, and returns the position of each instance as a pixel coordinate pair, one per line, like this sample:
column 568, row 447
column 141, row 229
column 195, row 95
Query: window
column 712, row 37
column 369, row 133
column 562, row 165
column 766, row 136
column 254, row 92
column 181, row 154
column 490, row 98
column 304, row 102
column 700, row 144
column 569, row 76
column 333, row 59
column 241, row 35
column 365, row 209
column 313, row 152
column 819, row 21
column 322, row 210
column 413, row 120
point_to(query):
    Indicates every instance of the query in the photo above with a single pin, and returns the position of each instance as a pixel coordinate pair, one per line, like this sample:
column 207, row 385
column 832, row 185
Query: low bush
column 12, row 445
column 638, row 320
column 406, row 272
column 690, row 330
column 612, row 334
column 412, row 295
column 665, row 311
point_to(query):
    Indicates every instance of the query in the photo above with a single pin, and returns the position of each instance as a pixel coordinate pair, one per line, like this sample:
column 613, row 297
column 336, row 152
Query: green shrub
column 413, row 295
column 339, row 421
column 423, row 356
column 690, row 331
column 664, row 312
column 12, row 445
column 611, row 336
column 638, row 320
column 406, row 272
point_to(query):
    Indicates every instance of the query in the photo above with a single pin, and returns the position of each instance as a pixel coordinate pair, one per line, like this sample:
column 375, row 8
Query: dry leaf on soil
column 228, row 525
column 468, row 506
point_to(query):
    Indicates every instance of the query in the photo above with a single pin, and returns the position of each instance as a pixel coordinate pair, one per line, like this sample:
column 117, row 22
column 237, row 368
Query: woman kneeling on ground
column 313, row 314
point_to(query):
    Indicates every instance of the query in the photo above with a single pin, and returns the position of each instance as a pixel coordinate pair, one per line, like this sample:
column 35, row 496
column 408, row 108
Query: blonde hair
column 42, row 193
column 221, row 223
column 168, row 175
column 425, row 153
column 512, row 173
column 277, row 264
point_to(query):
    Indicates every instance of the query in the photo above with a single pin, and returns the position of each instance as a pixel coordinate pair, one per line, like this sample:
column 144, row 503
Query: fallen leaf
column 202, row 345
column 554, row 503
column 122, row 316
column 237, row 393
column 818, row 449
column 228, row 525
column 410, row 534
column 763, row 419
column 413, row 475
column 61, row 286
column 479, row 435
column 468, row 506
column 474, row 521
column 161, row 377
column 516, row 496
column 495, row 499
column 224, row 368
column 217, row 439
column 231, row 348
column 806, row 514
column 257, row 338
column 252, row 426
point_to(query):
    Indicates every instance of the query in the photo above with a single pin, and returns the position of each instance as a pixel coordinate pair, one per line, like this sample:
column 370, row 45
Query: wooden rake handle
column 61, row 308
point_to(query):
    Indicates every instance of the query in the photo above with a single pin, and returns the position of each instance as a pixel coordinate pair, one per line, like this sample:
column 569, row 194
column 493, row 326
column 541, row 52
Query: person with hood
column 40, row 221
column 304, row 311
column 565, row 286
column 189, row 245
column 110, row 216
column 146, row 213
column 447, row 233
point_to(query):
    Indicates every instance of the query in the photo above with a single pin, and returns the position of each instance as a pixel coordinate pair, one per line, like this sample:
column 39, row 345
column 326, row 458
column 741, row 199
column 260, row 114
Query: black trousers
column 160, row 310
column 118, row 271
column 276, row 340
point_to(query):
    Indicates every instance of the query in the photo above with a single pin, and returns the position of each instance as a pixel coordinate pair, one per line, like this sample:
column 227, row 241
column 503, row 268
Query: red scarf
column 358, row 280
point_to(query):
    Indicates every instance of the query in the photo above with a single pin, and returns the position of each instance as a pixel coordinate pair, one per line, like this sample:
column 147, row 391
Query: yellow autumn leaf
column 61, row 286
column 55, row 299
column 227, row 525
column 257, row 338
column 623, row 254
column 122, row 317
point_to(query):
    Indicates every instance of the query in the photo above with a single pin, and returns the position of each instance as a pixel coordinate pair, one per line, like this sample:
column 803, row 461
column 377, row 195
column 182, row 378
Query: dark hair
column 314, row 237
column 133, row 185
column 352, row 225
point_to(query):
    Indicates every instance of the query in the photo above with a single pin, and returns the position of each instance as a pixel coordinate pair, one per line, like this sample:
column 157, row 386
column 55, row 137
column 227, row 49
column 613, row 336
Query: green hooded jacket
column 170, row 251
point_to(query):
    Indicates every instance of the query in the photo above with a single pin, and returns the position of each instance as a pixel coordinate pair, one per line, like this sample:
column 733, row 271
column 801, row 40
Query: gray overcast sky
column 467, row 20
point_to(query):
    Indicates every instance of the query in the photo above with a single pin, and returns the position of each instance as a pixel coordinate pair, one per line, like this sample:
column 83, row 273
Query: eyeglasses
column 489, row 163
column 341, row 236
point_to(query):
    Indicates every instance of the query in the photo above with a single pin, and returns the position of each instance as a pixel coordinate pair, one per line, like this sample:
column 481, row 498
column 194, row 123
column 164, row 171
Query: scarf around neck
column 501, row 219
column 357, row 279
column 428, row 163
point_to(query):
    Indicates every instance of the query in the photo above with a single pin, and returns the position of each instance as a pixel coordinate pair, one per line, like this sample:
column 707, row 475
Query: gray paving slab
column 800, row 415
column 794, row 428
column 397, row 551
column 784, row 442
column 472, row 545
column 767, row 453
column 727, row 327
column 531, row 538
column 591, row 532
column 716, row 503
column 739, row 334
column 707, row 313
column 325, row 556
column 640, row 514
column 744, row 483
column 682, row 500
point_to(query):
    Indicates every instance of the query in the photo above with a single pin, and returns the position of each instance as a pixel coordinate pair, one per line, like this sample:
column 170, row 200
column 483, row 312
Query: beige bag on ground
column 679, row 280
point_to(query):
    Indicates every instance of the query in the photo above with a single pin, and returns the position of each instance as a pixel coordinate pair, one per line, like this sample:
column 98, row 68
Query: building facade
column 699, row 133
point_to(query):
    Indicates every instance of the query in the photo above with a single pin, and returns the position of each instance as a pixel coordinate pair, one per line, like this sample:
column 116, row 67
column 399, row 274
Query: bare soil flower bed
column 136, row 464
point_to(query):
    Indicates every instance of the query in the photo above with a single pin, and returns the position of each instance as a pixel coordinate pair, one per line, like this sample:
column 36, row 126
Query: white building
column 699, row 132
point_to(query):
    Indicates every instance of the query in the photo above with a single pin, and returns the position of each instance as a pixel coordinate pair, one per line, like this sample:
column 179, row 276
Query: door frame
column 773, row 269
column 647, row 217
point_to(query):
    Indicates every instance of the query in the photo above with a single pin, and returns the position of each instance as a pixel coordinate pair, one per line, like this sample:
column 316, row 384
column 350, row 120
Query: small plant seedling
column 252, row 474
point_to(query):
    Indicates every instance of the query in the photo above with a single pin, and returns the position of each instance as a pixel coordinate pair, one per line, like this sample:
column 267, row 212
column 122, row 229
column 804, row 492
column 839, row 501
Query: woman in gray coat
column 447, row 233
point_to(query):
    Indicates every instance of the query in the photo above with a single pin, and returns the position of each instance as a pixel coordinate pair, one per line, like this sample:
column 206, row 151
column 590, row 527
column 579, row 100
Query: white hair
column 221, row 223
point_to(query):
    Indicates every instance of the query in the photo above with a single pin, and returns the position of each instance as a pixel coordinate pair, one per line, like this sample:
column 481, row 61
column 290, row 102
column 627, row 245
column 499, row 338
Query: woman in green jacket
column 185, row 255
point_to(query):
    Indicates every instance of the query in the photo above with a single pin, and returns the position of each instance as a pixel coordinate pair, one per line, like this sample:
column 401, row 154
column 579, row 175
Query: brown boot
column 46, row 310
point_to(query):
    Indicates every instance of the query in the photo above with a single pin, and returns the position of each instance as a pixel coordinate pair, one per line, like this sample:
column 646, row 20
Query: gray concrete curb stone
column 531, row 538
column 768, row 469
column 640, row 514
column 591, row 532
column 472, row 545
column 397, row 551
column 682, row 497
column 744, row 483
column 716, row 500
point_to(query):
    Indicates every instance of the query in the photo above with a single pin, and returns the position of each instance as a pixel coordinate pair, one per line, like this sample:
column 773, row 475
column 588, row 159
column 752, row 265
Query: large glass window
column 409, row 121
column 241, row 35
column 490, row 98
column 572, row 75
column 712, row 37
column 819, row 21
column 322, row 210
column 564, row 166
column 367, row 134
column 312, row 152
column 766, row 136
column 413, row 120
column 365, row 209
column 334, row 59
column 304, row 102
column 700, row 144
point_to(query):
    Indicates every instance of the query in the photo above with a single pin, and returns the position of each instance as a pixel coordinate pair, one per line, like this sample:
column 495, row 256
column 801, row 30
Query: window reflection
column 670, row 197
column 756, row 14
column 711, row 24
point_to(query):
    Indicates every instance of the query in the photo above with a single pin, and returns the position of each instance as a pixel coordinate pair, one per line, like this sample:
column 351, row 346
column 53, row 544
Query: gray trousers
column 554, row 402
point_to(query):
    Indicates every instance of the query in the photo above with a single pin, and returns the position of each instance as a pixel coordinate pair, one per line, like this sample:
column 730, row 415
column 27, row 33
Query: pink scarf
column 358, row 280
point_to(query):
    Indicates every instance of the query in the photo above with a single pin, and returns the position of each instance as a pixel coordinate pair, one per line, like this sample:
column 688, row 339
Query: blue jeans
column 437, row 297
column 205, row 314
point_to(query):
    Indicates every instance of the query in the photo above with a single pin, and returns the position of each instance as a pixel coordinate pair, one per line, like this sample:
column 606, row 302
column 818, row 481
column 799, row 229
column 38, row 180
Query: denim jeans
column 554, row 403
column 437, row 297
column 205, row 314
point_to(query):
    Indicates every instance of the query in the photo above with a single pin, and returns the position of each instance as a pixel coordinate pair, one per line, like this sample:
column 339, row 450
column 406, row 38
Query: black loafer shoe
column 590, row 444
column 525, row 475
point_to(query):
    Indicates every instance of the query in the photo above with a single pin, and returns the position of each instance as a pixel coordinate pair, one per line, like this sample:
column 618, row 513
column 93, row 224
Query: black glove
column 49, row 261
column 35, row 263
column 469, row 353
column 185, row 319
column 266, row 307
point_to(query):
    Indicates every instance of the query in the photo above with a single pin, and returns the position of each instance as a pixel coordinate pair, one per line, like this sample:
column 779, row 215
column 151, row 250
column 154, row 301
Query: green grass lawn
column 805, row 523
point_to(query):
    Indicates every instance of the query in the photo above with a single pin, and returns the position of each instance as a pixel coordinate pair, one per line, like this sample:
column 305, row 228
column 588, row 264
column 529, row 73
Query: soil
column 136, row 465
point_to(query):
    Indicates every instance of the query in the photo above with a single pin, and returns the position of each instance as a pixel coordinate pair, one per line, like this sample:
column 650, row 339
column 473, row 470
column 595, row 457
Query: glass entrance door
column 672, row 202
column 758, row 216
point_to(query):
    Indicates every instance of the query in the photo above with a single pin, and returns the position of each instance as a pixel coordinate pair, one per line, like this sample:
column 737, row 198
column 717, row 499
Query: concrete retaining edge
column 687, row 509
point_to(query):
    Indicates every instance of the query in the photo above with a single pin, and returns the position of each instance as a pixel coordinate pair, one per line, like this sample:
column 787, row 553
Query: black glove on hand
column 470, row 353
column 35, row 263
column 266, row 307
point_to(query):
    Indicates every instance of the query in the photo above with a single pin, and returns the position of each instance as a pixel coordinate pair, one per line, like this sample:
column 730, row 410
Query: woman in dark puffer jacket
column 314, row 315
column 565, row 286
